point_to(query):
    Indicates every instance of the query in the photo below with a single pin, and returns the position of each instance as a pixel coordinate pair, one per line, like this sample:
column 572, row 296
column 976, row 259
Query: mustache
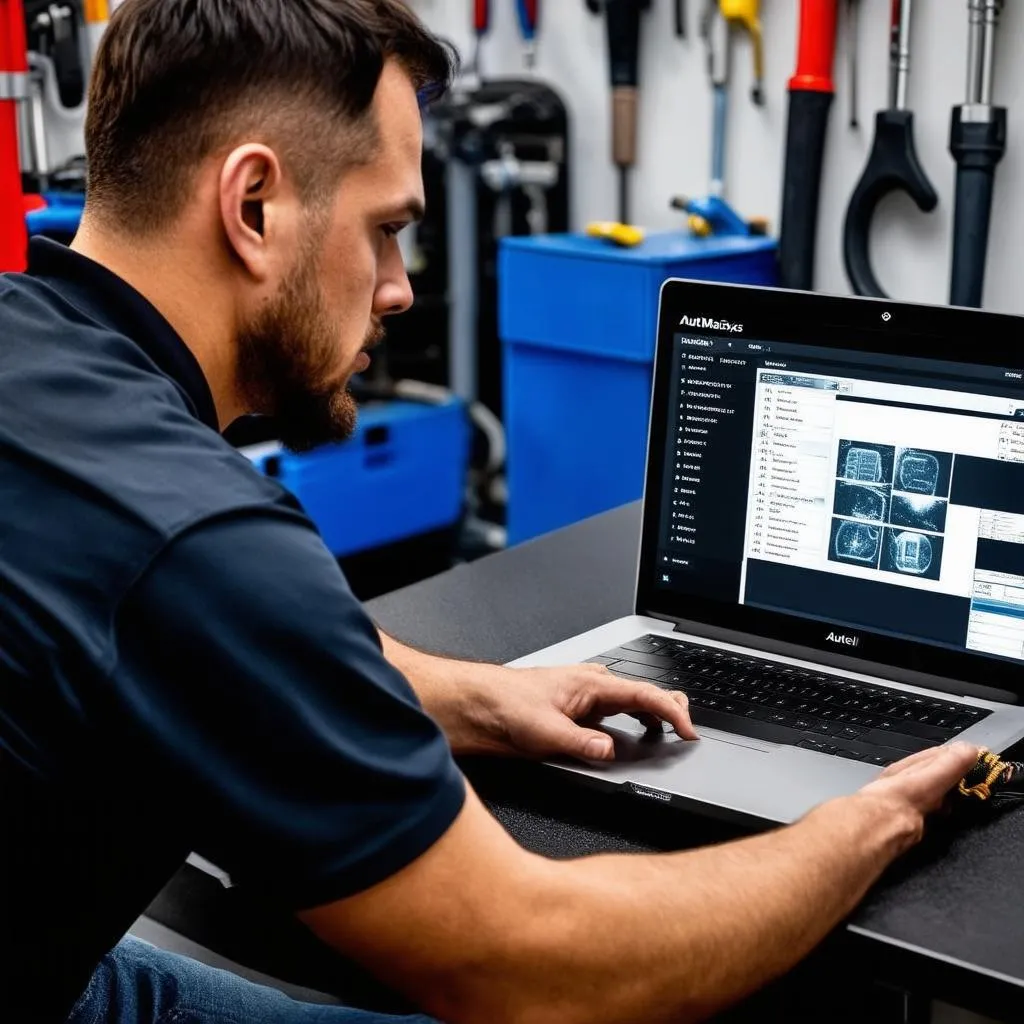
column 375, row 335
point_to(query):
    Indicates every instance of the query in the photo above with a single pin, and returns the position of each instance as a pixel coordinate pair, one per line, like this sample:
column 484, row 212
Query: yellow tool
column 625, row 235
column 96, row 11
column 96, row 14
column 747, row 14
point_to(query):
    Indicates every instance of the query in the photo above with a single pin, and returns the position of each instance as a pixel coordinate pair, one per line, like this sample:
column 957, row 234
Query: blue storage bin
column 578, row 324
column 402, row 473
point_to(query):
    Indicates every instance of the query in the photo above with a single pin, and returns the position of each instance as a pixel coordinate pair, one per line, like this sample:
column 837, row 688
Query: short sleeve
column 251, row 686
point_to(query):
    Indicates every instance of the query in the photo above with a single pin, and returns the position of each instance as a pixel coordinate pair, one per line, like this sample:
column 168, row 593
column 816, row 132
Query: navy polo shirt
column 183, row 667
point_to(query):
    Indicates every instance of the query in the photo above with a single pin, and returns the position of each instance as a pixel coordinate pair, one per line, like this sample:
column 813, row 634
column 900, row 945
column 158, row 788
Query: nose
column 394, row 291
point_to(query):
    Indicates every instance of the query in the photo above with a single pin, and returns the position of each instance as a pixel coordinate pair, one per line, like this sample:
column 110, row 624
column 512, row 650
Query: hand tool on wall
column 717, row 21
column 853, row 21
column 481, row 26
column 680, row 12
column 810, row 99
column 977, row 140
column 528, row 11
column 714, row 29
column 746, row 14
column 622, row 21
column 893, row 164
column 96, row 14
column 14, row 86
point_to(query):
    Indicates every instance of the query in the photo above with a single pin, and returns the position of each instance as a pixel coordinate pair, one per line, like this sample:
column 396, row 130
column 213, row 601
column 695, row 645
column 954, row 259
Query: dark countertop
column 947, row 921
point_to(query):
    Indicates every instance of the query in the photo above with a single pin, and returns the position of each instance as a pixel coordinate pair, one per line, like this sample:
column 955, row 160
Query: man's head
column 275, row 145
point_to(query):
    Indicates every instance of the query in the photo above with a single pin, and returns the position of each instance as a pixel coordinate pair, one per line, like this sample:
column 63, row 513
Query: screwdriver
column 622, row 18
column 528, row 14
column 481, row 25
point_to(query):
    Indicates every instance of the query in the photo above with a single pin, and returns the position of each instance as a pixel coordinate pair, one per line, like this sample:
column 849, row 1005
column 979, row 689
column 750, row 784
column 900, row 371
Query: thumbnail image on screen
column 889, row 508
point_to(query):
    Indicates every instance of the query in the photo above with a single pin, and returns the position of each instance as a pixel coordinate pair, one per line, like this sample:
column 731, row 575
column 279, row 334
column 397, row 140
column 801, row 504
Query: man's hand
column 917, row 786
column 543, row 712
column 533, row 712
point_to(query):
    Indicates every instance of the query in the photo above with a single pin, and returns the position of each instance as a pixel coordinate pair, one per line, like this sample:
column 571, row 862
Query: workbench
column 947, row 923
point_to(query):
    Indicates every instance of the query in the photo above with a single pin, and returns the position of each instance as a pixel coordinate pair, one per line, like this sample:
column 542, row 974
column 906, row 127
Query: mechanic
column 183, row 667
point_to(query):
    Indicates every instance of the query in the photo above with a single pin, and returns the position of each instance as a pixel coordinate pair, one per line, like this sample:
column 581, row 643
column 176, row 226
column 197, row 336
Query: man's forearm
column 456, row 694
column 480, row 930
column 680, row 938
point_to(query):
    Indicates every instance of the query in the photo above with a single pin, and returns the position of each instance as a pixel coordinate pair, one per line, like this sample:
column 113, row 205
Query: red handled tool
column 810, row 99
column 481, row 26
column 528, row 14
column 13, row 89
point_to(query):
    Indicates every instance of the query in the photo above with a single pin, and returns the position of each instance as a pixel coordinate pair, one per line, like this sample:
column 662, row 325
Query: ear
column 251, row 195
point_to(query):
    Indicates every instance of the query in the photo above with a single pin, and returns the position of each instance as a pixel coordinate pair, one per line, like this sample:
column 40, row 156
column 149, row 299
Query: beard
column 287, row 366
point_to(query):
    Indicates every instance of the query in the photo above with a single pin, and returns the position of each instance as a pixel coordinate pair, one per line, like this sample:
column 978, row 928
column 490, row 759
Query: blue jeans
column 136, row 983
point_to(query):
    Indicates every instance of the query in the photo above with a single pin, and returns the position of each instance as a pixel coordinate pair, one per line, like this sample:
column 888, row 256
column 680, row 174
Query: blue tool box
column 402, row 474
column 578, row 322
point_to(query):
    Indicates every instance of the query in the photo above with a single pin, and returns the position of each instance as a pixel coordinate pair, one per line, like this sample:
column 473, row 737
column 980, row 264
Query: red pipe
column 13, row 62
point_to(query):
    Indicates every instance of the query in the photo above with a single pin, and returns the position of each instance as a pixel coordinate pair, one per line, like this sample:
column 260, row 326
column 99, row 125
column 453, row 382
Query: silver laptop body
column 831, row 487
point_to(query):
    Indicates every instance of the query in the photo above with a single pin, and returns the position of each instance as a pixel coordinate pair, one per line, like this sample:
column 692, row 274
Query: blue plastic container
column 403, row 473
column 578, row 324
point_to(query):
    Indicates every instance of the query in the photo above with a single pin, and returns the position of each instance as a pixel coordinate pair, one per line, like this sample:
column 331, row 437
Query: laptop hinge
column 766, row 645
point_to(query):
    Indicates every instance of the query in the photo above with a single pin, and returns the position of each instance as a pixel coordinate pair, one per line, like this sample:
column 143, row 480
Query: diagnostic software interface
column 871, row 490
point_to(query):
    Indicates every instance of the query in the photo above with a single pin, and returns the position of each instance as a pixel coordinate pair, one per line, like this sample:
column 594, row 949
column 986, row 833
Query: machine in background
column 495, row 165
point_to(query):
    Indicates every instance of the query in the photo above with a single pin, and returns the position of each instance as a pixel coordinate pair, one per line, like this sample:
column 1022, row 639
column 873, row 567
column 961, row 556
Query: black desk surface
column 949, row 921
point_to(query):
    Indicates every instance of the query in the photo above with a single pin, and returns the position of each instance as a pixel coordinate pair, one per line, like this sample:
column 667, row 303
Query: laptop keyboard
column 790, row 705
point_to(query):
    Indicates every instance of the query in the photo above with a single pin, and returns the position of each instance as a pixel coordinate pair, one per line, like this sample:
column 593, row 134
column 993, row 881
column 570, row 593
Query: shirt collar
column 103, row 295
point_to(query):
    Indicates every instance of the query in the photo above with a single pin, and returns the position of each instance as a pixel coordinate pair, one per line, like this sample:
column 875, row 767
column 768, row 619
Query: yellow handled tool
column 747, row 14
column 95, row 11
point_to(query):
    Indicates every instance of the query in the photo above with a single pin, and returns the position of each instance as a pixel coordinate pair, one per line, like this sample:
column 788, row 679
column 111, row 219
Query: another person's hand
column 917, row 786
column 544, row 712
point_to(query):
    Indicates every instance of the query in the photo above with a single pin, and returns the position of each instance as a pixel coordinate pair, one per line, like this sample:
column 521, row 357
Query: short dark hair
column 175, row 80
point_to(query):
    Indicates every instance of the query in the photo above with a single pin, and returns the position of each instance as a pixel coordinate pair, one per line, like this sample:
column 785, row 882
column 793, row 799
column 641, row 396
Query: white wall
column 910, row 250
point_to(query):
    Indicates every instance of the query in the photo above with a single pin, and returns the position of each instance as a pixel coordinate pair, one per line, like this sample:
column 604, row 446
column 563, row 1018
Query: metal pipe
column 718, row 141
column 975, row 18
column 463, row 262
column 899, row 54
column 988, row 46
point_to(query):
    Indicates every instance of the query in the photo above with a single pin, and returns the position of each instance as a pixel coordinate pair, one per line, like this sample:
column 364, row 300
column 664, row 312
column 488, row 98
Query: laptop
column 831, row 563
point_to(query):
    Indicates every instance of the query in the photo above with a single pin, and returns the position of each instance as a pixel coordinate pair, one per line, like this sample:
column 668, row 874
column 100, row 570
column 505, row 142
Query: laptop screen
column 826, row 477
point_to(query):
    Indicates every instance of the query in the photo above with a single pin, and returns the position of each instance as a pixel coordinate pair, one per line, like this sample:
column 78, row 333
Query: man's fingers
column 562, row 736
column 951, row 762
column 615, row 695
column 925, row 779
column 911, row 761
column 949, row 758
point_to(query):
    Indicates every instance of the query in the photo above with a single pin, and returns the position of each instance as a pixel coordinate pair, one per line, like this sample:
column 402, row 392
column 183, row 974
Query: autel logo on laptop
column 843, row 638
column 711, row 325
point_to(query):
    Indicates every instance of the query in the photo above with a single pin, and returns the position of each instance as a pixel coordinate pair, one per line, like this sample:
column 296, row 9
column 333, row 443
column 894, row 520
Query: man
column 182, row 666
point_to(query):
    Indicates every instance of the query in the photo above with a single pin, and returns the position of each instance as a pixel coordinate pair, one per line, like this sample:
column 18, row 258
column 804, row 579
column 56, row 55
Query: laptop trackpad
column 634, row 742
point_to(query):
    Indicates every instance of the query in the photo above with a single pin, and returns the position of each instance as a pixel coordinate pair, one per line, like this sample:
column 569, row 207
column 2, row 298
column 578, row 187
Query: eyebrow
column 411, row 208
